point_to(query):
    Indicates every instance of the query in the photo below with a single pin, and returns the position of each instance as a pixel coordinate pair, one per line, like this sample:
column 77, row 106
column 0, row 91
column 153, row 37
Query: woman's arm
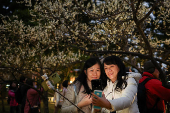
column 70, row 94
column 127, row 98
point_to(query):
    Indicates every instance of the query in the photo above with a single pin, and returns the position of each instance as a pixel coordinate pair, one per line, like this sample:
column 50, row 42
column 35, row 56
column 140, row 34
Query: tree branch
column 146, row 16
column 137, row 6
column 133, row 65
column 121, row 52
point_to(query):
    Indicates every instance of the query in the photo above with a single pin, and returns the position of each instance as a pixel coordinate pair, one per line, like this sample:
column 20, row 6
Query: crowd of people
column 119, row 93
column 23, row 97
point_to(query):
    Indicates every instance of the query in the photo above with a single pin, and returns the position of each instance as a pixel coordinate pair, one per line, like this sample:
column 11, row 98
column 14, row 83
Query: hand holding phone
column 99, row 100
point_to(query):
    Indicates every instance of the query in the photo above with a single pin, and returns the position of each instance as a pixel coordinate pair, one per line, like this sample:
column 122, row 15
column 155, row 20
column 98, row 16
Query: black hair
column 65, row 83
column 22, row 78
column 13, row 88
column 116, row 61
column 82, row 78
column 30, row 83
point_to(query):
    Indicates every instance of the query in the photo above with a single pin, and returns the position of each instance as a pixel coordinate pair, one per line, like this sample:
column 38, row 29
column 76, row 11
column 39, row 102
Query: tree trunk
column 162, row 75
column 45, row 102
column 45, row 98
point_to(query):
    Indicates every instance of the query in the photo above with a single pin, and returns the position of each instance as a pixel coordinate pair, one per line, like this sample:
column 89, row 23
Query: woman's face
column 111, row 71
column 93, row 72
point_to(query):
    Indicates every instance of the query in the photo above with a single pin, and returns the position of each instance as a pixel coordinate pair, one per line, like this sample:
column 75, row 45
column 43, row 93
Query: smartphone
column 98, row 93
column 96, row 84
column 54, row 78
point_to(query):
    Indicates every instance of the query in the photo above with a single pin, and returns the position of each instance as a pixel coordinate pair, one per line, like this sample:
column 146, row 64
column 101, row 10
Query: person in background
column 79, row 92
column 128, row 69
column 65, row 85
column 58, row 98
column 32, row 97
column 119, row 94
column 156, row 93
column 11, row 93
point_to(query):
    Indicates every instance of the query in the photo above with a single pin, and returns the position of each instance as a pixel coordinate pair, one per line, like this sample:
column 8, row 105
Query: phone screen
column 98, row 93
column 96, row 84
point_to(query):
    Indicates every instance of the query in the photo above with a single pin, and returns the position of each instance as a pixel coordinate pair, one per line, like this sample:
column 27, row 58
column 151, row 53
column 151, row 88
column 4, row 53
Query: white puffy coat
column 124, row 101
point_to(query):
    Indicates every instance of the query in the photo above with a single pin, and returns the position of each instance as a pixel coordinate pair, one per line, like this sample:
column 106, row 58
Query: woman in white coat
column 120, row 93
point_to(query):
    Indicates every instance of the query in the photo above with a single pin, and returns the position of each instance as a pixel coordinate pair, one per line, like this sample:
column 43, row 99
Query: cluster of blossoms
column 67, row 28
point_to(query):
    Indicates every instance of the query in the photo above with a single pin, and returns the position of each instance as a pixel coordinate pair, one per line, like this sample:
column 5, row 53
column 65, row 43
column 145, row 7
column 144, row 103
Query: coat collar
column 148, row 74
column 110, row 83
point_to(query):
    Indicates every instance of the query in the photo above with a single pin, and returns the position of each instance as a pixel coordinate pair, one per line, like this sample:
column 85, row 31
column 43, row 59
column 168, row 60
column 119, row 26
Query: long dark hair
column 122, row 72
column 82, row 78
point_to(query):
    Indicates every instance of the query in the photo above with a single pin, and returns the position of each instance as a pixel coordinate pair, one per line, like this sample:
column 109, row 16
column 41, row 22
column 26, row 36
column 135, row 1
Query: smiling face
column 111, row 71
column 93, row 72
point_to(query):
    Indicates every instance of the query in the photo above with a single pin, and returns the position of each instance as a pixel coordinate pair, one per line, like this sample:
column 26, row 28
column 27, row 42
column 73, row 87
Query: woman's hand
column 101, row 101
column 87, row 100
